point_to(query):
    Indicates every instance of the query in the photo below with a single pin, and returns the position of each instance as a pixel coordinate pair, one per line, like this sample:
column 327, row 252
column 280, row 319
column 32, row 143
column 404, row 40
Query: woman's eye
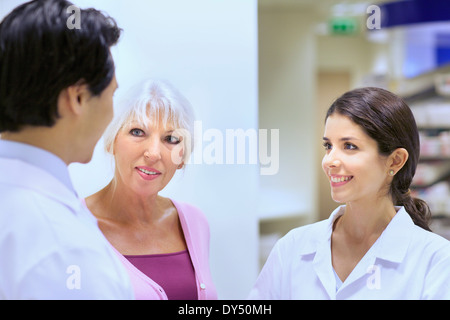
column 173, row 139
column 137, row 132
column 350, row 146
column 327, row 145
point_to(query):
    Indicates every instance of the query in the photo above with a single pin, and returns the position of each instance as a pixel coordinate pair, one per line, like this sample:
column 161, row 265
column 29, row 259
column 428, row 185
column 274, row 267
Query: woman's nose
column 153, row 151
column 331, row 160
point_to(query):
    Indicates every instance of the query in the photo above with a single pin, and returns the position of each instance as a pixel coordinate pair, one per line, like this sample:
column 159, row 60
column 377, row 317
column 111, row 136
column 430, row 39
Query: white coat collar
column 17, row 173
column 392, row 246
column 397, row 232
column 37, row 157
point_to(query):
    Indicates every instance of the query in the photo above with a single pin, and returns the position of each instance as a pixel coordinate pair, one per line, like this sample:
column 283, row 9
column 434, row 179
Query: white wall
column 287, row 101
column 208, row 50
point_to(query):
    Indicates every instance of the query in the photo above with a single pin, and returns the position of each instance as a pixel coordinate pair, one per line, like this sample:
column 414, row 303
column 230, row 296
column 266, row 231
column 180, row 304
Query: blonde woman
column 163, row 243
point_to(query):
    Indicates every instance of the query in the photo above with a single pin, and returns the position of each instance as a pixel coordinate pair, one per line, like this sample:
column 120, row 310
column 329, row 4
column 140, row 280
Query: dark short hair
column 40, row 56
column 388, row 120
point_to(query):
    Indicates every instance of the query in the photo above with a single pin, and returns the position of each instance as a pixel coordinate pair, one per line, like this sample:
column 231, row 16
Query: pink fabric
column 196, row 233
column 174, row 272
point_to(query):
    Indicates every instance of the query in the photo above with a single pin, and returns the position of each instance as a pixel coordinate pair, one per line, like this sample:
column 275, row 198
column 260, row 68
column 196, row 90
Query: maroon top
column 174, row 272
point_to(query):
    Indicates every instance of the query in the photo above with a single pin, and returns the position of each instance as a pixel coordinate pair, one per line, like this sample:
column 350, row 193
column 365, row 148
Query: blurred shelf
column 418, row 88
column 434, row 158
column 428, row 174
column 441, row 225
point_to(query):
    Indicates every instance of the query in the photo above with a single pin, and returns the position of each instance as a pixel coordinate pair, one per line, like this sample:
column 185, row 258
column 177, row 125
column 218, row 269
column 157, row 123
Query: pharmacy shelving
column 431, row 108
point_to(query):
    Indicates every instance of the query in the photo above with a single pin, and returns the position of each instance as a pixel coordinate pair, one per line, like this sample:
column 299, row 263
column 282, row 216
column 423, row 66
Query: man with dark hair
column 56, row 89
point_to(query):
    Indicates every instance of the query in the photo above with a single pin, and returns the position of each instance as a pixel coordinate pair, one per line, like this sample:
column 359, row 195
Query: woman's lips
column 338, row 180
column 148, row 173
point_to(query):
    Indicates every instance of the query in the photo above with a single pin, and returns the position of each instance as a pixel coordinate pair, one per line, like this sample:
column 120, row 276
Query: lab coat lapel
column 362, row 269
column 398, row 232
column 322, row 263
column 323, row 268
column 391, row 246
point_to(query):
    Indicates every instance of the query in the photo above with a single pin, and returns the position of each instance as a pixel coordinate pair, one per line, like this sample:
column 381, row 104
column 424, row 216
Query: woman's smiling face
column 352, row 162
column 144, row 156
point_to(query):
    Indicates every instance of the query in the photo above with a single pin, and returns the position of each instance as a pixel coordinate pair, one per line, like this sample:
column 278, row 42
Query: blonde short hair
column 150, row 102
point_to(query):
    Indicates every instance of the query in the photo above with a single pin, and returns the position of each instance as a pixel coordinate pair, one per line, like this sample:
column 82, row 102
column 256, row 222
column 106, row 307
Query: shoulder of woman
column 189, row 211
column 431, row 241
column 307, row 236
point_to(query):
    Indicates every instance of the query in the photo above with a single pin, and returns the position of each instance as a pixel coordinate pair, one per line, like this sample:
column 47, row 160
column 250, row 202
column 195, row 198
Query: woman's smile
column 148, row 173
column 338, row 180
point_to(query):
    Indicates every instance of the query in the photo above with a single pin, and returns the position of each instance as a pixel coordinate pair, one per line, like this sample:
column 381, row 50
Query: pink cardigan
column 196, row 232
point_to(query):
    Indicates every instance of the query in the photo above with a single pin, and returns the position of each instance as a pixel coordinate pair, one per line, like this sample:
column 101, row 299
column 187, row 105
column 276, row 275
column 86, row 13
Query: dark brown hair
column 388, row 120
column 40, row 56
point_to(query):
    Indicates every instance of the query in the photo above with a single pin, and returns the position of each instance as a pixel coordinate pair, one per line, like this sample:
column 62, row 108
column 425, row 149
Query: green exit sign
column 343, row 26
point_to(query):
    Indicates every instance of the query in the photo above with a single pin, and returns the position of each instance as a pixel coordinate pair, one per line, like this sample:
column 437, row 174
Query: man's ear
column 397, row 159
column 71, row 100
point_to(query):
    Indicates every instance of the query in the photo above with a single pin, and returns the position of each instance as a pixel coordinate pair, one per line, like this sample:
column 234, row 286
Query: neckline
column 157, row 255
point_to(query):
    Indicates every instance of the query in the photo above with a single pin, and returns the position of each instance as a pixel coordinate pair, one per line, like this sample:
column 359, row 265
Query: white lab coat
column 406, row 262
column 50, row 246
